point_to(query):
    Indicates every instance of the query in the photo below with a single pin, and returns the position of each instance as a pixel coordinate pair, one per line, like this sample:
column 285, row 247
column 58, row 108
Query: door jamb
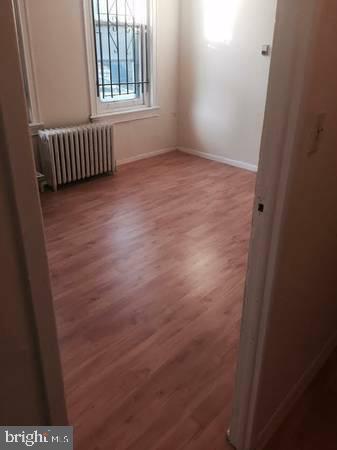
column 293, row 43
column 19, row 154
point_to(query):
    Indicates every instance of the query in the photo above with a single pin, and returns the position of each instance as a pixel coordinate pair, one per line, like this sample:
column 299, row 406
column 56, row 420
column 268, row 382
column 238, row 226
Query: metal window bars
column 121, row 50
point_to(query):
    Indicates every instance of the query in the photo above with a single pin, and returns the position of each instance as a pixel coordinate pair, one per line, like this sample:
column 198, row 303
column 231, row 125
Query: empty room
column 146, row 118
column 168, row 224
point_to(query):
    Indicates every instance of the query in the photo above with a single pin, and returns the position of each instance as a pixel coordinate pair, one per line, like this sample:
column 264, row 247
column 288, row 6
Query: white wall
column 58, row 43
column 223, row 85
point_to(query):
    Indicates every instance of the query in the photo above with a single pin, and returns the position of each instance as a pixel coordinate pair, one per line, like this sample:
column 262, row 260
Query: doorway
column 131, row 419
column 148, row 267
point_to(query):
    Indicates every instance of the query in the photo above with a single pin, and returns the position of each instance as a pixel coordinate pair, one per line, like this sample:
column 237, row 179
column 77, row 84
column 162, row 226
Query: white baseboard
column 221, row 159
column 296, row 392
column 147, row 155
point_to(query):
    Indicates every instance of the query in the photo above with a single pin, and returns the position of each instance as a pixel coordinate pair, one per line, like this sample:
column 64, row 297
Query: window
column 121, row 53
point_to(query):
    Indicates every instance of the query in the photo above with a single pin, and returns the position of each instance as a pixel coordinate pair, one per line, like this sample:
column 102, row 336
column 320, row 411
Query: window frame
column 27, row 65
column 127, row 109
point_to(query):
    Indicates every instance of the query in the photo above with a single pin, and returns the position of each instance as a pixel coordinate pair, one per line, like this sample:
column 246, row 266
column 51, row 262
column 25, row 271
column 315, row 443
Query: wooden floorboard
column 148, row 272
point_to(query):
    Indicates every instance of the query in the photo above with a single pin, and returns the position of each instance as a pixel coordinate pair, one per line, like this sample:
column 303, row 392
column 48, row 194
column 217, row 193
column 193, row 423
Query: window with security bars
column 121, row 50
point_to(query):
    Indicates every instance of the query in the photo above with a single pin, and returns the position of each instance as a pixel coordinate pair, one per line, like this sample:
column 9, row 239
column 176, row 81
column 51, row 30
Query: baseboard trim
column 122, row 162
column 220, row 159
column 217, row 158
column 296, row 392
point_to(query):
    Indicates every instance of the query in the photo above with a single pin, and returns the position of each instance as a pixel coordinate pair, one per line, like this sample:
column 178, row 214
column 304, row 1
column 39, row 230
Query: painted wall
column 302, row 326
column 59, row 54
column 223, row 76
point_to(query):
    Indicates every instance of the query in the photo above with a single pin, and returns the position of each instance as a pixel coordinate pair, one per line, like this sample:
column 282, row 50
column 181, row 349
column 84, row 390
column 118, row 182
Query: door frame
column 296, row 24
column 18, row 152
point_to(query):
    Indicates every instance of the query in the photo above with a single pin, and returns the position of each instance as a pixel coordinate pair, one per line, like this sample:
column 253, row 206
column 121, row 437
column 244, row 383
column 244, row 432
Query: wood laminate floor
column 148, row 272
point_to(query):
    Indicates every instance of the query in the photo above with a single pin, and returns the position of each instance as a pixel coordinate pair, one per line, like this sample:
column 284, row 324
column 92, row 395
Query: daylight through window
column 121, row 49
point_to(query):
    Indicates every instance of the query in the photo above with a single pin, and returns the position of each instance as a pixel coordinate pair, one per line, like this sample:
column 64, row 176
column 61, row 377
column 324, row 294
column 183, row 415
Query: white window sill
column 35, row 128
column 127, row 116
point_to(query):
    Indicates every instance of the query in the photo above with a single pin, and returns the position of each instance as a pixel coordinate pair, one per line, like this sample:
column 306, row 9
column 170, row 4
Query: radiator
column 74, row 154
